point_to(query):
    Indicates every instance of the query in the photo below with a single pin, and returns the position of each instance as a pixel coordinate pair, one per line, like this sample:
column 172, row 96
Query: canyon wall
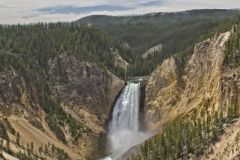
column 84, row 91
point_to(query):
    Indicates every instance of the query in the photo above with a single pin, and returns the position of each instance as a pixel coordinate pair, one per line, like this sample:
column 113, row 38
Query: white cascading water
column 124, row 127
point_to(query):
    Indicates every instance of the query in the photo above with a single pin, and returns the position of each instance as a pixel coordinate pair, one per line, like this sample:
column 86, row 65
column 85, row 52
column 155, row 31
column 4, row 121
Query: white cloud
column 26, row 11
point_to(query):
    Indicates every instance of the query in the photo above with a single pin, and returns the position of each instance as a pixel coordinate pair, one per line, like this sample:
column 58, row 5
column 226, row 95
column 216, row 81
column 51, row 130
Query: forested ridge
column 177, row 32
column 130, row 36
column 36, row 44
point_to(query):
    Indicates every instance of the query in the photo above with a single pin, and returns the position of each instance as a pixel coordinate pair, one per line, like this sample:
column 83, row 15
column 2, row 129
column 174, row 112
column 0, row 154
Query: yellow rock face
column 173, row 91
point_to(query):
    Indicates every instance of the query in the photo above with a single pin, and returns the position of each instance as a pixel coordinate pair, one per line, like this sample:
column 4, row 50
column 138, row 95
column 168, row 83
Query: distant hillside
column 177, row 31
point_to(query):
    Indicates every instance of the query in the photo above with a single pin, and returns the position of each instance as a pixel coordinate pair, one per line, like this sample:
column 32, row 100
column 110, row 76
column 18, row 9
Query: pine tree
column 18, row 139
column 1, row 146
column 32, row 147
column 46, row 150
column 40, row 149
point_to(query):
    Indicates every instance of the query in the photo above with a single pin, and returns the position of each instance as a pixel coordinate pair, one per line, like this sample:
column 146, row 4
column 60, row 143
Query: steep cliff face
column 162, row 91
column 202, row 81
column 153, row 50
column 19, row 95
column 83, row 84
column 67, row 109
column 118, row 60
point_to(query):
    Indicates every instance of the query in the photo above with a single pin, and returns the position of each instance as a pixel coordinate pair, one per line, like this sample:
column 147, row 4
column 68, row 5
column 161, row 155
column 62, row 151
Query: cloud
column 81, row 10
column 32, row 11
column 153, row 3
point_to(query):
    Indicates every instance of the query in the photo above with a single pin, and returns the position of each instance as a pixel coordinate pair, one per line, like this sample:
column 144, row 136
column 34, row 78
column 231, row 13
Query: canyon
column 76, row 92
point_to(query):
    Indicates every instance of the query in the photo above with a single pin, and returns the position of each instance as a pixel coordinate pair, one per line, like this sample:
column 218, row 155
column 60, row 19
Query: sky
column 33, row 11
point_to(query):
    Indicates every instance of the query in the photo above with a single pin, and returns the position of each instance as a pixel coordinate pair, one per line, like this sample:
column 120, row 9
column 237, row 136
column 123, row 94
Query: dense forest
column 177, row 32
column 187, row 137
column 232, row 58
column 35, row 44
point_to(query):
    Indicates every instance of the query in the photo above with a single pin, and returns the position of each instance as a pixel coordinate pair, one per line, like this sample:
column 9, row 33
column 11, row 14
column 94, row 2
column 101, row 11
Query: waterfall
column 124, row 127
column 125, row 113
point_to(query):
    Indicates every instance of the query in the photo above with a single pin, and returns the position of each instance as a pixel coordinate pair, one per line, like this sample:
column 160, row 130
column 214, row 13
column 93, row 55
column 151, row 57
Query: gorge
column 145, row 87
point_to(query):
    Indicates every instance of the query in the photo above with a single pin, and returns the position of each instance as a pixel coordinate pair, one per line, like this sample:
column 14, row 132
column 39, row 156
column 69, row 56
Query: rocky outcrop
column 19, row 95
column 153, row 50
column 85, row 90
column 118, row 60
column 171, row 93
column 161, row 90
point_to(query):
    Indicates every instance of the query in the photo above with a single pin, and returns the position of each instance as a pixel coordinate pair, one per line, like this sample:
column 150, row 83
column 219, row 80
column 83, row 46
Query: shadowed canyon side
column 124, row 131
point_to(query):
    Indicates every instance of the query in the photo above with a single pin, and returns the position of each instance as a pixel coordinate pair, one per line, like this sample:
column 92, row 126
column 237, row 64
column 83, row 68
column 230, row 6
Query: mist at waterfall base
column 124, row 130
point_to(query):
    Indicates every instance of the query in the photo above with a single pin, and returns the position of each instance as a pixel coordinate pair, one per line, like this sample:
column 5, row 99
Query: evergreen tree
column 18, row 139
